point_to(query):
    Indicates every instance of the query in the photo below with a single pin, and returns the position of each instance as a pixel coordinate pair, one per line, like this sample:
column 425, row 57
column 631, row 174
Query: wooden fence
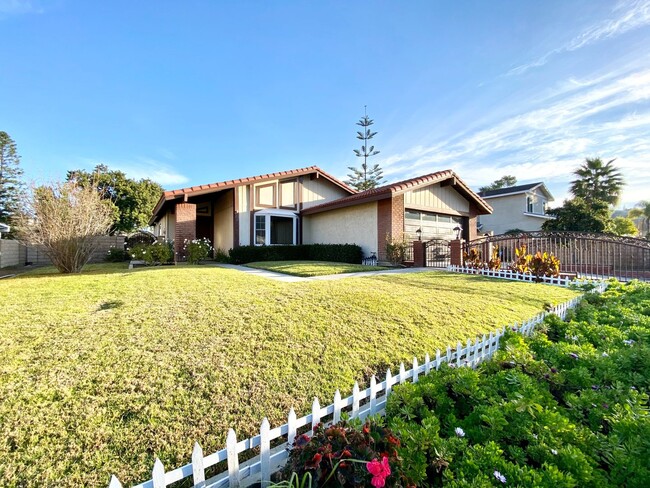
column 360, row 404
column 513, row 275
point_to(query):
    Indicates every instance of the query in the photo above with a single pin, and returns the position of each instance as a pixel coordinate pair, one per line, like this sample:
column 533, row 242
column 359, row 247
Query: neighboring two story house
column 521, row 207
column 310, row 206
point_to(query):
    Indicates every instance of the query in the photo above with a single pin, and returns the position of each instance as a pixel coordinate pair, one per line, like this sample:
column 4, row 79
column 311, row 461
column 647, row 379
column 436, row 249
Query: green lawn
column 100, row 372
column 312, row 268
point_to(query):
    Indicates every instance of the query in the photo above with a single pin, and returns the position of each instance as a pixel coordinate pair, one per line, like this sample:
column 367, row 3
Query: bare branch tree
column 65, row 219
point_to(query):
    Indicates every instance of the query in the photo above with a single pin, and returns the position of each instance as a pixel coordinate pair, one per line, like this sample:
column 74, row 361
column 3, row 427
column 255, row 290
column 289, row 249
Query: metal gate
column 437, row 253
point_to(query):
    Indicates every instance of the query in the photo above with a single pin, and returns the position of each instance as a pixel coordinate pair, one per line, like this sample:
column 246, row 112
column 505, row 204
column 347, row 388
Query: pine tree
column 365, row 178
column 12, row 189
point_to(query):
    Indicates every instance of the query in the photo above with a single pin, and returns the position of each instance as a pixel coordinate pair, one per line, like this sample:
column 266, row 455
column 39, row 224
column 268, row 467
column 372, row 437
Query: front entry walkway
column 294, row 279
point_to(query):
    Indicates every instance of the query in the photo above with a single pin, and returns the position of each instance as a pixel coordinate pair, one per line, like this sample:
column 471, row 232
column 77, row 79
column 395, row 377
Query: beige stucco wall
column 223, row 221
column 319, row 190
column 443, row 199
column 350, row 225
column 509, row 212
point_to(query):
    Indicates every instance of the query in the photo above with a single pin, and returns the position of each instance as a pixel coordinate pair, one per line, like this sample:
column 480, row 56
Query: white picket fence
column 513, row 275
column 360, row 404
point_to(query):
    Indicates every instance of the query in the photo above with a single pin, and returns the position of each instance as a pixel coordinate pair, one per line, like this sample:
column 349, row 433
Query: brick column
column 418, row 254
column 185, row 228
column 456, row 252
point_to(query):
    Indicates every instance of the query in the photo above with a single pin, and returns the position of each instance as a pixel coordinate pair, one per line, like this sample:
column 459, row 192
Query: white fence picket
column 415, row 370
column 482, row 348
column 291, row 427
column 355, row 400
column 115, row 483
column 198, row 473
column 233, row 459
column 336, row 416
column 315, row 414
column 389, row 382
column 158, row 474
column 265, row 453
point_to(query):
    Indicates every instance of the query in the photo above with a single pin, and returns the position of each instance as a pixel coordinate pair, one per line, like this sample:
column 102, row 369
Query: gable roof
column 513, row 190
column 223, row 185
column 388, row 191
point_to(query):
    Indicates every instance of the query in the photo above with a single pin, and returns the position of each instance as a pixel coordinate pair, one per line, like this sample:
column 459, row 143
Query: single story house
column 310, row 206
column 521, row 207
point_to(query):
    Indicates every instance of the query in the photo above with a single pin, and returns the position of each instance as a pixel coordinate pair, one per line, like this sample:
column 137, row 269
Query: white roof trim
column 542, row 185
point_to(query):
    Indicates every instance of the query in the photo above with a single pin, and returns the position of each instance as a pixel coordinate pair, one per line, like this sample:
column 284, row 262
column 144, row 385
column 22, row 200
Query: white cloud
column 152, row 169
column 607, row 117
column 629, row 16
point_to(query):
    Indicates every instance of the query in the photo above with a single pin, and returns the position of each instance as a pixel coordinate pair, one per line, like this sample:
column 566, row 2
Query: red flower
column 315, row 461
column 366, row 429
column 346, row 454
column 379, row 471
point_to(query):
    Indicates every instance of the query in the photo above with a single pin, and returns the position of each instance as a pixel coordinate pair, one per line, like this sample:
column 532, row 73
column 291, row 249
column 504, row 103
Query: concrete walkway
column 295, row 279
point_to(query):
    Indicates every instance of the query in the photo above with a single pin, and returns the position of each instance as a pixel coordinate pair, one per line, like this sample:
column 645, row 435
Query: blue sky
column 194, row 92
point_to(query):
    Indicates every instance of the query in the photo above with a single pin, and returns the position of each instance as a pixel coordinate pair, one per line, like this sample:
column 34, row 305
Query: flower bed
column 566, row 407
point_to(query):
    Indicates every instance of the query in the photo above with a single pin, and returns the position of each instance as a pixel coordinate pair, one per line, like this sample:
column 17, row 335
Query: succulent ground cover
column 312, row 268
column 567, row 407
column 101, row 372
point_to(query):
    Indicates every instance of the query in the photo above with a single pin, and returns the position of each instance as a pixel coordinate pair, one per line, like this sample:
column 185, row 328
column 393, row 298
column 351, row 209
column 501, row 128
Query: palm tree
column 642, row 210
column 598, row 181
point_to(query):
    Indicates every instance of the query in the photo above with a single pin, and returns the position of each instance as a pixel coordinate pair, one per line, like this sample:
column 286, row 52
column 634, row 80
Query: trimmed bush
column 116, row 255
column 337, row 253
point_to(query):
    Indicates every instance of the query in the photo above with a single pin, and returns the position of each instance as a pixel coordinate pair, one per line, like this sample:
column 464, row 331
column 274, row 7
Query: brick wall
column 185, row 228
column 390, row 222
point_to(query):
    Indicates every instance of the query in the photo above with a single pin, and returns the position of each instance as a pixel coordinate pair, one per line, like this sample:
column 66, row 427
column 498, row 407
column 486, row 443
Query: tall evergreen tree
column 365, row 178
column 597, row 181
column 12, row 189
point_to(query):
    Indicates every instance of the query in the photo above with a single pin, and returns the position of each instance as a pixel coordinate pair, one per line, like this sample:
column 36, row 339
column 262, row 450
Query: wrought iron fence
column 582, row 254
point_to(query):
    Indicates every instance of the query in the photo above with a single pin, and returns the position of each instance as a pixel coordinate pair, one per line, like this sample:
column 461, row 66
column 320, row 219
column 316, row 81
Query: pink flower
column 379, row 471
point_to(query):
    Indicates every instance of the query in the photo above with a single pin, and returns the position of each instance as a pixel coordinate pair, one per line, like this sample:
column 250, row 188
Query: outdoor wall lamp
column 419, row 233
column 457, row 229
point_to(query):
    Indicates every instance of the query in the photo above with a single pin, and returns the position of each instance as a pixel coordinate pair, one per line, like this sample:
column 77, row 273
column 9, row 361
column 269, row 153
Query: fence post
column 315, row 413
column 402, row 373
column 115, row 483
column 373, row 395
column 389, row 380
column 291, row 424
column 427, row 364
column 415, row 370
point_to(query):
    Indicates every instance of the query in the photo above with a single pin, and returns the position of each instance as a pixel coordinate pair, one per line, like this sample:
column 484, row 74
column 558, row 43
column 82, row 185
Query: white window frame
column 530, row 204
column 274, row 212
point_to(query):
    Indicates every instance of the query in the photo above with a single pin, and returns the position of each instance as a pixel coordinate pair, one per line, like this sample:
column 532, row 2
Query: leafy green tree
column 366, row 177
column 503, row 182
column 579, row 215
column 622, row 226
column 132, row 200
column 642, row 211
column 12, row 189
column 598, row 181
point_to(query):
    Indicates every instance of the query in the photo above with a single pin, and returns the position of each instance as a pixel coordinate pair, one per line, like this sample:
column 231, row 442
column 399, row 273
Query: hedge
column 338, row 253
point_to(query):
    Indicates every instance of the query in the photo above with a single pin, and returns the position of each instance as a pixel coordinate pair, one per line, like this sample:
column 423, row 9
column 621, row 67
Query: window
column 529, row 205
column 260, row 230
column 275, row 226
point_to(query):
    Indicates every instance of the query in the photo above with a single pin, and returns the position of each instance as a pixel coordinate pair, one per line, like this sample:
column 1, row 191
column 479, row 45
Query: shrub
column 396, row 249
column 153, row 254
column 116, row 255
column 472, row 259
column 544, row 264
column 495, row 261
column 567, row 406
column 333, row 453
column 65, row 219
column 197, row 250
column 221, row 256
column 521, row 264
column 340, row 253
